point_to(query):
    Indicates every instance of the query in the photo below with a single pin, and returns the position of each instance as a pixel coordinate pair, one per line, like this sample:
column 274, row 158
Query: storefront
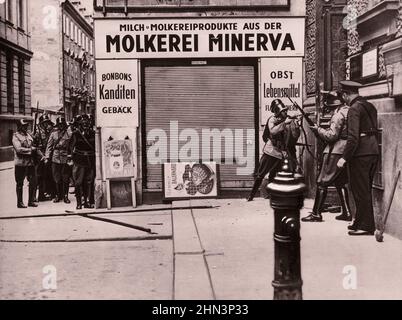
column 194, row 90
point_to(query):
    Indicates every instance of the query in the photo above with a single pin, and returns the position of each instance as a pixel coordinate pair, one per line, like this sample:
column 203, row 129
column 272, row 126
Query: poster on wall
column 280, row 77
column 119, row 152
column 117, row 93
column 186, row 180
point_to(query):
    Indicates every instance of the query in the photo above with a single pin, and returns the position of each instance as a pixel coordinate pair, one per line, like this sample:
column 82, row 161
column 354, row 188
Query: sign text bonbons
column 117, row 93
column 200, row 38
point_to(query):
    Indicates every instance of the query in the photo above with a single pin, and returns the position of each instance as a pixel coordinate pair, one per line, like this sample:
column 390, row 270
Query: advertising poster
column 119, row 152
column 183, row 180
column 280, row 77
column 117, row 93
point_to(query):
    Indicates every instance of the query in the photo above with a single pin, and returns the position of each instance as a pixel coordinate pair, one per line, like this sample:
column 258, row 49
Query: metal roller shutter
column 201, row 97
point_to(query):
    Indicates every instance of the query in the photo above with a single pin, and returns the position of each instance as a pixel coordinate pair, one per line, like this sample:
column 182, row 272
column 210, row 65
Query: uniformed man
column 24, row 154
column 280, row 135
column 335, row 136
column 57, row 151
column 361, row 156
column 43, row 172
column 83, row 154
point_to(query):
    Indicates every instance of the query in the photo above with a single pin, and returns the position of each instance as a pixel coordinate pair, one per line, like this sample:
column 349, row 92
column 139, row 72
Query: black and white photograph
column 221, row 151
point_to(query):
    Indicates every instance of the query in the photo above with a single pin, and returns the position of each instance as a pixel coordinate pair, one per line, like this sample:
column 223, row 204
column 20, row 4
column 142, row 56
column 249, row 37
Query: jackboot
column 41, row 195
column 58, row 196
column 256, row 186
column 344, row 198
column 65, row 192
column 315, row 215
column 87, row 194
column 78, row 197
column 31, row 199
column 20, row 203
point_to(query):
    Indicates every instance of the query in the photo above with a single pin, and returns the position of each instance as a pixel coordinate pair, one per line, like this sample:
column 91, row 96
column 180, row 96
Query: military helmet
column 333, row 99
column 22, row 123
column 277, row 106
column 61, row 120
column 77, row 118
column 44, row 118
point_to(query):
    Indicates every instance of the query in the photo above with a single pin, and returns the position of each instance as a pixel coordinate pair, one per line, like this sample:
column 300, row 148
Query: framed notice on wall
column 370, row 63
column 119, row 153
column 186, row 180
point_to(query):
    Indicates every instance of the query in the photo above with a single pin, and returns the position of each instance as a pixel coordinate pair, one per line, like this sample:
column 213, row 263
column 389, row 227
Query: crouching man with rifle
column 330, row 175
column 280, row 135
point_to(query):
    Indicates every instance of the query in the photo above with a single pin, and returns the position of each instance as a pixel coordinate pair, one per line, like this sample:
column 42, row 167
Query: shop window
column 21, row 85
column 10, row 82
column 378, row 176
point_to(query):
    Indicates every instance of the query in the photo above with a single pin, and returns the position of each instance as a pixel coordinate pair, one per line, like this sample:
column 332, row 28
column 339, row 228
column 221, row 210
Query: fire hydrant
column 287, row 197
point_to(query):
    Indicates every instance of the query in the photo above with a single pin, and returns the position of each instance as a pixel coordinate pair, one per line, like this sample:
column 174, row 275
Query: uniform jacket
column 23, row 154
column 360, row 121
column 336, row 134
column 41, row 138
column 83, row 148
column 59, row 146
column 280, row 137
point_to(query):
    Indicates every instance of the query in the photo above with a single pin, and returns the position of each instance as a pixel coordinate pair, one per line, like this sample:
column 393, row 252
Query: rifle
column 305, row 116
column 36, row 117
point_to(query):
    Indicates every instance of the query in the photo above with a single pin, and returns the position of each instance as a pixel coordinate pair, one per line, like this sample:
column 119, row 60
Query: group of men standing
column 54, row 156
column 350, row 156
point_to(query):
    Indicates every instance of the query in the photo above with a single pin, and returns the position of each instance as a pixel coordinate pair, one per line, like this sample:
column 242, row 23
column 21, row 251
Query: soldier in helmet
column 330, row 175
column 83, row 153
column 280, row 134
column 58, row 152
column 25, row 152
column 43, row 169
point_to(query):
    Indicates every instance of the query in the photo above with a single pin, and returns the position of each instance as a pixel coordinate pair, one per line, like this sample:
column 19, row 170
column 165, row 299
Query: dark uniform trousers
column 83, row 177
column 22, row 172
column 361, row 171
column 61, row 175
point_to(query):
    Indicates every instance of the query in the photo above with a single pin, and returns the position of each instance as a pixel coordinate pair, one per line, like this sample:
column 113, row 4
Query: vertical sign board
column 119, row 152
column 117, row 93
column 280, row 77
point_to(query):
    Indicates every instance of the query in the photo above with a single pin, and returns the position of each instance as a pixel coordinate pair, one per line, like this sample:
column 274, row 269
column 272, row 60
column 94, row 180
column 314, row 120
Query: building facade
column 360, row 40
column 62, row 67
column 15, row 71
column 175, row 75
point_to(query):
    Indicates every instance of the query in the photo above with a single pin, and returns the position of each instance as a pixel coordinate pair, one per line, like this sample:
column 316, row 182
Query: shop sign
column 199, row 38
column 117, row 93
column 119, row 154
column 280, row 78
column 185, row 180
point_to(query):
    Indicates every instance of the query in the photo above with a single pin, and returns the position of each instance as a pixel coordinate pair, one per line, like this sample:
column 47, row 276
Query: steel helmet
column 22, row 123
column 277, row 106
